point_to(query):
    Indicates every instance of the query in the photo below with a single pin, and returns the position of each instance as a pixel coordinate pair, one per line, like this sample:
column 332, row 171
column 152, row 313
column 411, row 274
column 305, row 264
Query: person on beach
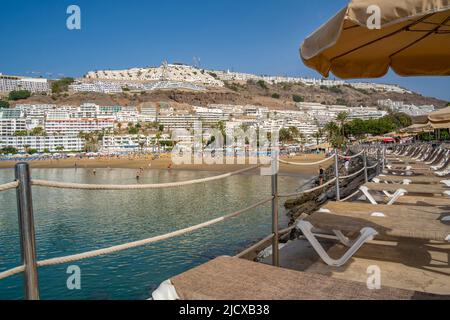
column 321, row 175
column 347, row 165
column 94, row 172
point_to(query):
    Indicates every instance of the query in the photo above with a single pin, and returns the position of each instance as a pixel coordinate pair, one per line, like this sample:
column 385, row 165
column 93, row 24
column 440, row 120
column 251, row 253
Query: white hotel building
column 73, row 126
column 13, row 83
column 41, row 144
column 8, row 127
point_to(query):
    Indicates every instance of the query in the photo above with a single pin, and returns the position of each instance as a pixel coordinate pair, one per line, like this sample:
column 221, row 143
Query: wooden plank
column 412, row 188
column 228, row 278
column 414, row 179
column 426, row 229
column 442, row 202
column 406, row 212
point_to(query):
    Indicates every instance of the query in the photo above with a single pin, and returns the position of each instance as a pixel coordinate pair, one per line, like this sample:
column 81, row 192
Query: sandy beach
column 164, row 163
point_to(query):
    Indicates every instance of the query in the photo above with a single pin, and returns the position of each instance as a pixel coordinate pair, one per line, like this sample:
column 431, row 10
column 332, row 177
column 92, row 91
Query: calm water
column 71, row 221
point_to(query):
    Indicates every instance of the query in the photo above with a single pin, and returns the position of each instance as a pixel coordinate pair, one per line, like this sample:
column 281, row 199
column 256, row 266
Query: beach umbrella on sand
column 368, row 37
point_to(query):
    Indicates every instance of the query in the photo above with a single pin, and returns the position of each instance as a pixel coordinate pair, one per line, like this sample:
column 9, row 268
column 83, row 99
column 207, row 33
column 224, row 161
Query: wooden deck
column 228, row 278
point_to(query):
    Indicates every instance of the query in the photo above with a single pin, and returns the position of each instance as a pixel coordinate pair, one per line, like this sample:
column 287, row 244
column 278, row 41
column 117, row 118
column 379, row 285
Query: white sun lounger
column 369, row 224
column 395, row 191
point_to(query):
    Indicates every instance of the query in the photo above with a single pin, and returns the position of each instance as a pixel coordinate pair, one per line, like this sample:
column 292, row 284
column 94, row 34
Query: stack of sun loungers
column 410, row 200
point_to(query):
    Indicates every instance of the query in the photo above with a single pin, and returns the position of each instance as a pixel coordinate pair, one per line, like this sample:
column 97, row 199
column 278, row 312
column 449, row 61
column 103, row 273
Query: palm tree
column 158, row 138
column 332, row 130
column 302, row 139
column 318, row 135
column 342, row 119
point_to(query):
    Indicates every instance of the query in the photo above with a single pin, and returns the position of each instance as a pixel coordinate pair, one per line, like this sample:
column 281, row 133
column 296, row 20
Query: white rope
column 9, row 186
column 118, row 248
column 307, row 164
column 65, row 185
column 307, row 191
column 353, row 174
column 372, row 167
column 351, row 157
column 351, row 196
column 11, row 272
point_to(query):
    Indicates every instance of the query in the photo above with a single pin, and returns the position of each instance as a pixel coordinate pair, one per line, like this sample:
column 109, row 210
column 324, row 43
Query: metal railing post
column 366, row 174
column 27, row 233
column 336, row 172
column 378, row 161
column 275, row 240
column 384, row 158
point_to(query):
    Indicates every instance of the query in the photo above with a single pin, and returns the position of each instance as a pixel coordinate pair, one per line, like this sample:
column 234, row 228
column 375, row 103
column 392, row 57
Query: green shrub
column 276, row 96
column 62, row 85
column 19, row 95
column 262, row 84
column 8, row 150
column 298, row 98
column 4, row 104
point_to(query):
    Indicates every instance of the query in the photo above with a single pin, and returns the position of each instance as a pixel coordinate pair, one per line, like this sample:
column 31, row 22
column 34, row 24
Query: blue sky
column 258, row 36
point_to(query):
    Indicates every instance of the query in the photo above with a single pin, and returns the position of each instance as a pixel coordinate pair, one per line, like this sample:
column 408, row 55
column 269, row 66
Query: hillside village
column 127, row 106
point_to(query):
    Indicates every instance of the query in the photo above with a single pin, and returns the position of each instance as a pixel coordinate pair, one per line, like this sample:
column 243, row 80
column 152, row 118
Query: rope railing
column 307, row 164
column 130, row 245
column 308, row 191
column 353, row 174
column 11, row 272
column 350, row 196
column 351, row 157
column 9, row 186
column 372, row 167
column 78, row 186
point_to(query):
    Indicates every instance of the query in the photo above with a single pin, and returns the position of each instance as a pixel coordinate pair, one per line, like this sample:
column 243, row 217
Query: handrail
column 351, row 157
column 78, row 186
column 11, row 272
column 373, row 167
column 350, row 196
column 130, row 245
column 9, row 186
column 307, row 191
column 307, row 164
column 353, row 174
